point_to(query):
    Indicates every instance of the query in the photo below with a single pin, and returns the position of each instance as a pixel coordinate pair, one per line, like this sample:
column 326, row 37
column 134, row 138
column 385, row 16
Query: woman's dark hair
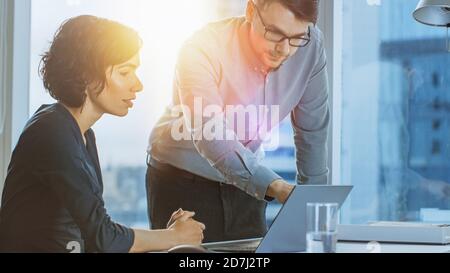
column 305, row 10
column 82, row 50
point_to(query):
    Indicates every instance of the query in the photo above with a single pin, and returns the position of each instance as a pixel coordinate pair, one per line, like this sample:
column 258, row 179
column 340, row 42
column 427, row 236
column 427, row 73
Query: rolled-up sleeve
column 311, row 120
column 198, row 77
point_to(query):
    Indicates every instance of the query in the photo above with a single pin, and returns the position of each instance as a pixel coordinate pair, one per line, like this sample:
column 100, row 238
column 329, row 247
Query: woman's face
column 120, row 90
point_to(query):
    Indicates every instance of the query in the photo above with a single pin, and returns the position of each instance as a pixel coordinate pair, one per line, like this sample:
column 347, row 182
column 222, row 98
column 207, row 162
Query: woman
column 52, row 200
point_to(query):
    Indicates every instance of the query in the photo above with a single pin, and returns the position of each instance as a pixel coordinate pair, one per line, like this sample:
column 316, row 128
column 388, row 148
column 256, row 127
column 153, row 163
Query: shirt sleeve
column 66, row 174
column 198, row 77
column 311, row 120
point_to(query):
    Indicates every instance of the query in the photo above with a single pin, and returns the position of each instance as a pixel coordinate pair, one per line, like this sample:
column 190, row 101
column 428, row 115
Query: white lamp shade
column 433, row 12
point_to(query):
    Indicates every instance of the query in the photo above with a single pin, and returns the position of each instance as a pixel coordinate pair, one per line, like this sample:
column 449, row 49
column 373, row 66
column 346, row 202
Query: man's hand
column 280, row 190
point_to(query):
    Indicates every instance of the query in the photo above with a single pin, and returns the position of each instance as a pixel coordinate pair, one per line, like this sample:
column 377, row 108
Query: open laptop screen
column 288, row 231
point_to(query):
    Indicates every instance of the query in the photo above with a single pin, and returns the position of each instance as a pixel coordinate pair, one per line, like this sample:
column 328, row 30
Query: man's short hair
column 305, row 10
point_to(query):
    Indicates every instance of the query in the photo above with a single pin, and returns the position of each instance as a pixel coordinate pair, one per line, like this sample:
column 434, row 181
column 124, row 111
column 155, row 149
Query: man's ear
column 250, row 11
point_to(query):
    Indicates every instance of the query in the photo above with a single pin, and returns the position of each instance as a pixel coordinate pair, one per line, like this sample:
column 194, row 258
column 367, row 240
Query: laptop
column 288, row 231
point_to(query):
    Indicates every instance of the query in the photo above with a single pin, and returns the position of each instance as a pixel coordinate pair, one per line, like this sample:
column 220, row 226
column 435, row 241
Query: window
column 395, row 128
column 391, row 102
column 14, row 82
column 6, row 37
column 122, row 142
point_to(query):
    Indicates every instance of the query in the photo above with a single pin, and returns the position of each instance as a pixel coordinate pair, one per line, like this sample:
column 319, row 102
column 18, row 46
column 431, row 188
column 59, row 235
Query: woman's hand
column 182, row 230
column 175, row 216
column 186, row 229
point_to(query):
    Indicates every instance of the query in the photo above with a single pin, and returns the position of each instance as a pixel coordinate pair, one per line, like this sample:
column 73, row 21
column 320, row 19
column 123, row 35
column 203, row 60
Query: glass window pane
column 395, row 114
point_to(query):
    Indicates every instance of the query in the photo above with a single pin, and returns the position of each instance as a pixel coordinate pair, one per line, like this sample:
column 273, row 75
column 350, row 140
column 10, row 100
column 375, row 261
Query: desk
column 347, row 247
column 353, row 247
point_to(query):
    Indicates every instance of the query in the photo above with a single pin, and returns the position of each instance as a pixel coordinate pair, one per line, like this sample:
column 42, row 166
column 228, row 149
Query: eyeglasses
column 277, row 37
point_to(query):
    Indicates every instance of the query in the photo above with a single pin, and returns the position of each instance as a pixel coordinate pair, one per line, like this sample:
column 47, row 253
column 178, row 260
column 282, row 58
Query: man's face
column 274, row 21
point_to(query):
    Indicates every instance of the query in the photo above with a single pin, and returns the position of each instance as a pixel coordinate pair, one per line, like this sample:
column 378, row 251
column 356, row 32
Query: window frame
column 17, row 78
column 330, row 23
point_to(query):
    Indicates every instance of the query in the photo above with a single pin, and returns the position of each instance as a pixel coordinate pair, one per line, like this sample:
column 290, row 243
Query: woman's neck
column 85, row 116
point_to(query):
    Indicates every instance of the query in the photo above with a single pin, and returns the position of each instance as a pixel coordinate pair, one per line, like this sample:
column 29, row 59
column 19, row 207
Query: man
column 274, row 56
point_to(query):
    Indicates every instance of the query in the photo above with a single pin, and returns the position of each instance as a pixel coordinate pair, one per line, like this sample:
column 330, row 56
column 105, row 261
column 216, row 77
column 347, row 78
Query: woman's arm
column 185, row 231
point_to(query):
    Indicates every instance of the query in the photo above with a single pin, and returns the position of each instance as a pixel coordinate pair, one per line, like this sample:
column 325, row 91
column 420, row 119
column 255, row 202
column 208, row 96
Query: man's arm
column 198, row 77
column 311, row 120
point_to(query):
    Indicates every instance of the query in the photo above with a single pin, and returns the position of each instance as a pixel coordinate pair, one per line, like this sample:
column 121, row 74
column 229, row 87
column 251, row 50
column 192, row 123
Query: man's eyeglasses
column 277, row 37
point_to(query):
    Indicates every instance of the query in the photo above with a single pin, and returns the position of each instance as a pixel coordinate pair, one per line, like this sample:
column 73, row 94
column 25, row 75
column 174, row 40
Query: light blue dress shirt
column 218, row 65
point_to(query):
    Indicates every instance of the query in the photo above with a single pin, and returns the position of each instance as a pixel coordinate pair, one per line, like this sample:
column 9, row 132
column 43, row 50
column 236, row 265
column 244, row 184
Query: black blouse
column 52, row 199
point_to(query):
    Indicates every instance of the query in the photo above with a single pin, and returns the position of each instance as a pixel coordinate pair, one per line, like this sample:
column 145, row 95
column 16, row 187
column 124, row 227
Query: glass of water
column 321, row 236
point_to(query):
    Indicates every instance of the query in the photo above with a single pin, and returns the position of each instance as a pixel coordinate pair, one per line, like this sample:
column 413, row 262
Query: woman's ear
column 108, row 74
column 94, row 89
column 89, row 93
